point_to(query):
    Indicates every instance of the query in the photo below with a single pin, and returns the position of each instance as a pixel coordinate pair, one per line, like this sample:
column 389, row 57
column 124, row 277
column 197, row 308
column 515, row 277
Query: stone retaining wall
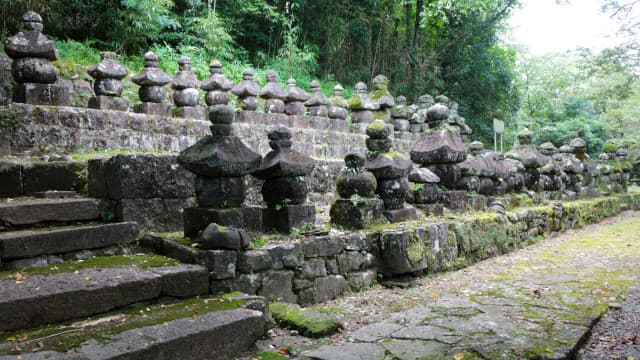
column 318, row 268
column 25, row 179
column 52, row 129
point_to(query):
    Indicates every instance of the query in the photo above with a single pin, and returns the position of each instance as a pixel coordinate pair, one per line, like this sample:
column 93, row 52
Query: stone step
column 44, row 299
column 200, row 328
column 29, row 212
column 30, row 243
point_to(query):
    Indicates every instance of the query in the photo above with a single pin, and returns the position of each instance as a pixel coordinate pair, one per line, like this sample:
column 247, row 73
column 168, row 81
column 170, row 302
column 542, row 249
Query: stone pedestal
column 357, row 213
column 401, row 125
column 220, row 192
column 103, row 102
column 150, row 108
column 197, row 219
column 426, row 194
column 285, row 218
column 431, row 209
column 42, row 94
column 317, row 111
column 400, row 215
column 189, row 112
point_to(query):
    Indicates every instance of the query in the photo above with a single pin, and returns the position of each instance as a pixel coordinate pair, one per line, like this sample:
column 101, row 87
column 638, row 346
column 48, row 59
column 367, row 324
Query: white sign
column 498, row 126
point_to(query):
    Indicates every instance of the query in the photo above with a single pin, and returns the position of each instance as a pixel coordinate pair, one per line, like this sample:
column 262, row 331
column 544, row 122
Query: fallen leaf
column 283, row 351
column 458, row 357
column 21, row 277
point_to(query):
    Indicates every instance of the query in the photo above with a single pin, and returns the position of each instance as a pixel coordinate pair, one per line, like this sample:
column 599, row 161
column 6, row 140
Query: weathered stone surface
column 360, row 281
column 216, row 156
column 358, row 213
column 288, row 217
column 151, row 108
column 42, row 94
column 277, row 285
column 10, row 179
column 71, row 295
column 35, row 211
column 400, row 215
column 191, row 280
column 254, row 261
column 285, row 255
column 403, row 252
column 221, row 263
column 375, row 332
column 219, row 335
column 24, row 244
column 314, row 268
column 325, row 288
column 104, row 102
column 308, row 322
column 157, row 214
column 321, row 246
column 347, row 351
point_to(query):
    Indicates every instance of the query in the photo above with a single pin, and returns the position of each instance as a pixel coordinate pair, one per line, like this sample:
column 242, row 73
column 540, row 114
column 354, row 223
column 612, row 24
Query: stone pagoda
column 217, row 86
column 338, row 105
column 273, row 94
column 246, row 91
column 361, row 105
column 400, row 115
column 391, row 170
column 153, row 90
column 108, row 75
column 32, row 68
column 317, row 103
column 220, row 162
column 358, row 207
column 531, row 159
column 186, row 96
column 285, row 190
column 294, row 103
column 383, row 98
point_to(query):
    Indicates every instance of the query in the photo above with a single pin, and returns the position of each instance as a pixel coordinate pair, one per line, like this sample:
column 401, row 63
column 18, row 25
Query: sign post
column 498, row 128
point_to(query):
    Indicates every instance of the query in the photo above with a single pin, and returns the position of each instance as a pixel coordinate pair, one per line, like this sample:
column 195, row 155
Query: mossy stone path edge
column 536, row 303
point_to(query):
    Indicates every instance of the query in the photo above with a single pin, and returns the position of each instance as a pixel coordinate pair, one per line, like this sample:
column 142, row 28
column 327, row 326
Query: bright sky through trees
column 543, row 26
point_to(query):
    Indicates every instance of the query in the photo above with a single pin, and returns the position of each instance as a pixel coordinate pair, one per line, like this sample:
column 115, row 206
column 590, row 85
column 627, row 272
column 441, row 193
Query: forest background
column 434, row 47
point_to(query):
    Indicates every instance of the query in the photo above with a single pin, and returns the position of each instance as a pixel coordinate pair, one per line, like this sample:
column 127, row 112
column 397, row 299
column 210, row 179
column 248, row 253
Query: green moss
column 265, row 355
column 116, row 261
column 609, row 148
column 309, row 323
column 67, row 336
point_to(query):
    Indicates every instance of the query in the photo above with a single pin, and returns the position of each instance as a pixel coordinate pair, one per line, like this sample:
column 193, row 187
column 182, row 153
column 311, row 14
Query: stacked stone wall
column 318, row 268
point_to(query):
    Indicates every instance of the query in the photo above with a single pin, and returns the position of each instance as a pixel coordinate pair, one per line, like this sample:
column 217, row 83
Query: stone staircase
column 76, row 286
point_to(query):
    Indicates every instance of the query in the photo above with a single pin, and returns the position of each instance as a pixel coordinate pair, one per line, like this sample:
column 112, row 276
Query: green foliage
column 10, row 120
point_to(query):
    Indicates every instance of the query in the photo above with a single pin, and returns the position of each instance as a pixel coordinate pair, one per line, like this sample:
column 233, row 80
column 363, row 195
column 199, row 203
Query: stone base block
column 157, row 109
column 431, row 209
column 59, row 175
column 426, row 194
column 42, row 94
column 103, row 102
column 357, row 214
column 400, row 215
column 196, row 219
column 288, row 217
column 190, row 112
column 454, row 200
column 477, row 202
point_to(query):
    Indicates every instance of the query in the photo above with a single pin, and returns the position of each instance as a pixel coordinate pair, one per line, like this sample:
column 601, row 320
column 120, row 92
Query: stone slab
column 375, row 332
column 196, row 219
column 48, row 210
column 41, row 299
column 55, row 194
column 25, row 244
column 59, row 175
column 347, row 351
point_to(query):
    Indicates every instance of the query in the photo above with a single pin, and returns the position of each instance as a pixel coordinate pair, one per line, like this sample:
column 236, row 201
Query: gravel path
column 617, row 334
column 538, row 302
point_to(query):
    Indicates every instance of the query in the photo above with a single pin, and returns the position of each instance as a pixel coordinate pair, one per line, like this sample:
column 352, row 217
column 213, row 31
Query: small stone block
column 357, row 214
column 288, row 217
column 197, row 219
column 400, row 215
column 431, row 209
column 189, row 112
column 150, row 108
column 10, row 179
column 454, row 200
column 43, row 94
column 103, row 102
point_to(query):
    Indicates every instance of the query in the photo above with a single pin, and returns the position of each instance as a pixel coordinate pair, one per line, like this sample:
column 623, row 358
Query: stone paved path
column 538, row 302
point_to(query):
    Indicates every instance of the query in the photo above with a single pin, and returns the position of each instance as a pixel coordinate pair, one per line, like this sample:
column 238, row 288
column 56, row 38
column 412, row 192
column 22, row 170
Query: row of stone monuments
column 37, row 83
